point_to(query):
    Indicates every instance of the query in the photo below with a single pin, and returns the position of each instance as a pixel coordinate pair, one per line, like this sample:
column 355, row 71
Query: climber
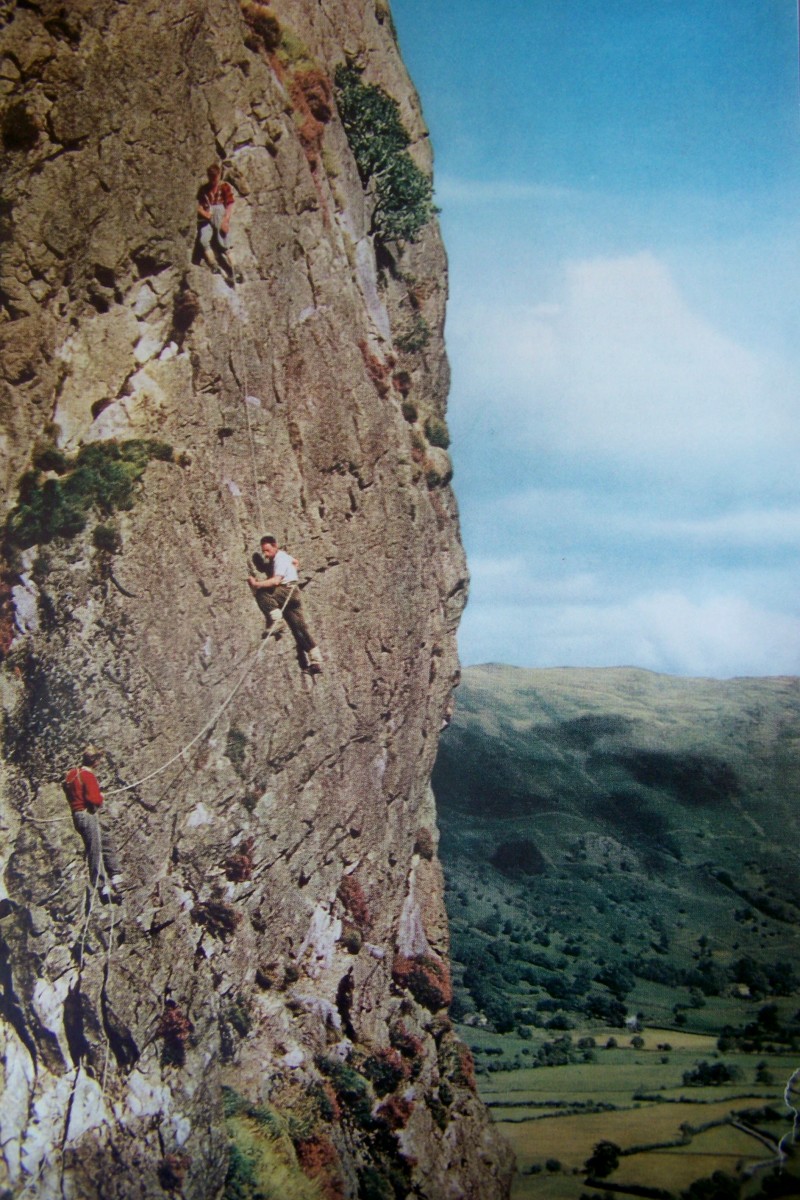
column 214, row 207
column 85, row 800
column 280, row 593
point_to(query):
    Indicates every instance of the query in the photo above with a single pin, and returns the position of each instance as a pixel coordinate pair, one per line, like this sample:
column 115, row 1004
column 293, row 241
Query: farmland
column 669, row 1135
column 624, row 904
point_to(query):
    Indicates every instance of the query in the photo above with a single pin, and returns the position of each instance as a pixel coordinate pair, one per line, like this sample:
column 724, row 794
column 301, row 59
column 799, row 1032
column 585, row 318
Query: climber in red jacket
column 214, row 207
column 85, row 801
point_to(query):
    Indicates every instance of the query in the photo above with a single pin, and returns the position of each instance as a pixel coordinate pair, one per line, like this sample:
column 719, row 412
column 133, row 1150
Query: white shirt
column 283, row 566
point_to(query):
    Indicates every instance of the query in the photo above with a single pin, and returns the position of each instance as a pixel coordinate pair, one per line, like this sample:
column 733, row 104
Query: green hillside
column 621, row 854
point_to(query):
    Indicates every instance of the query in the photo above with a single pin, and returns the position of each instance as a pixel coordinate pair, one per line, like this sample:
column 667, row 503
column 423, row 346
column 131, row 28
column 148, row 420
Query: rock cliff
column 265, row 1011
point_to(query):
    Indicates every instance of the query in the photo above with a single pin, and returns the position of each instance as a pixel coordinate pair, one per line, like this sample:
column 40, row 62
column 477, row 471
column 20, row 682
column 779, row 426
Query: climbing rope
column 209, row 724
column 250, row 439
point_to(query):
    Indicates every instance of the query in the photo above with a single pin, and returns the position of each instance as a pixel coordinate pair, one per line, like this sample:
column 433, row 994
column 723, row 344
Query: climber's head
column 269, row 545
column 91, row 755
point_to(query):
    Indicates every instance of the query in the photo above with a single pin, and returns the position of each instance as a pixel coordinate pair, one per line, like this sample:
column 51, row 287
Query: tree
column 603, row 1160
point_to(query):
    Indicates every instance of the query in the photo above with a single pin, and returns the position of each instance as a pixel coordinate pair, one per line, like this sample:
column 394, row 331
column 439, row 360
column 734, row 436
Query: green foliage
column 240, row 1179
column 373, row 1185
column 711, row 1074
column 262, row 1167
column 385, row 1070
column 101, row 477
column 371, row 120
column 352, row 940
column 404, row 196
column 351, row 1089
column 720, row 1186
column 232, row 1102
column 437, row 432
column 236, row 748
column 294, row 53
column 49, row 458
column 603, row 1160
column 262, row 1164
column 107, row 539
column 415, row 336
column 379, row 141
column 237, row 1015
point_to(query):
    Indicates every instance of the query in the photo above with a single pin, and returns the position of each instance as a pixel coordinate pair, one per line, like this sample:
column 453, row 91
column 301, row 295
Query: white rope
column 249, row 425
column 208, row 725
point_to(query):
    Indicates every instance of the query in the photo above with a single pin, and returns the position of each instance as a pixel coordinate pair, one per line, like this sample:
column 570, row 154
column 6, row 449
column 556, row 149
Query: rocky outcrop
column 269, row 1000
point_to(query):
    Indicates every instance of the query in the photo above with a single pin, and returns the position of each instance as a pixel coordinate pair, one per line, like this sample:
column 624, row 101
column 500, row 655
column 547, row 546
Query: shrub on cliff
column 379, row 141
column 427, row 978
column 100, row 476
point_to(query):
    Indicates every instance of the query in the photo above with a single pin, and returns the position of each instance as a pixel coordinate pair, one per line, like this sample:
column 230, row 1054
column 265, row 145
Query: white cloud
column 618, row 372
column 720, row 636
column 603, row 518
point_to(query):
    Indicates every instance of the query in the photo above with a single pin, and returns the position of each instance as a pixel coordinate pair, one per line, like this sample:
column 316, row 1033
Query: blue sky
column 620, row 191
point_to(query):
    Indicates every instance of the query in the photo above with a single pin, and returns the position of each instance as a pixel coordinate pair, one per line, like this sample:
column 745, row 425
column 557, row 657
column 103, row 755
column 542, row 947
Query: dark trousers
column 269, row 600
column 100, row 853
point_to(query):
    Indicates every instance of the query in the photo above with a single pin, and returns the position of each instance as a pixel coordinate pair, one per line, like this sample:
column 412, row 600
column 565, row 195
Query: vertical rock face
column 269, row 1000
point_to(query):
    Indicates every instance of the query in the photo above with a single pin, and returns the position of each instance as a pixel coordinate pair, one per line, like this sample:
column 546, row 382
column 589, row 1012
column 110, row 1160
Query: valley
column 620, row 855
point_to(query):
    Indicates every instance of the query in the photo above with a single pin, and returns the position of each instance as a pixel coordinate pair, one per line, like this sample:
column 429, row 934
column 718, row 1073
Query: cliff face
column 269, row 1000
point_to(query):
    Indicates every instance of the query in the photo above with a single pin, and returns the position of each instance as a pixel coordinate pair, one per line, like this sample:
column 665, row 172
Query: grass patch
column 262, row 1164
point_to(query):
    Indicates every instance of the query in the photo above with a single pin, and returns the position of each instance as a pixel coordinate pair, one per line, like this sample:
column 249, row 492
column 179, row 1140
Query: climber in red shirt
column 85, row 801
column 214, row 207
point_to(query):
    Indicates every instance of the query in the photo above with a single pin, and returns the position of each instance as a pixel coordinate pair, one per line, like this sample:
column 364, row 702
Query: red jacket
column 83, row 790
column 221, row 193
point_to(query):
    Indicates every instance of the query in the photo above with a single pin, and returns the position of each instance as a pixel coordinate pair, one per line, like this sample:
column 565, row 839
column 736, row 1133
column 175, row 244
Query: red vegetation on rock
column 172, row 1171
column 401, row 382
column 239, row 866
column 319, row 1160
column 427, row 978
column 457, row 1063
column 176, row 1029
column 409, row 1045
column 377, row 370
column 351, row 894
column 395, row 1111
column 265, row 28
column 312, row 99
column 6, row 616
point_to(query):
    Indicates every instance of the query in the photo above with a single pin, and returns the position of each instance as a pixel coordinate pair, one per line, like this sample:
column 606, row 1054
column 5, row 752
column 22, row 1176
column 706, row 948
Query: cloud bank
column 639, row 468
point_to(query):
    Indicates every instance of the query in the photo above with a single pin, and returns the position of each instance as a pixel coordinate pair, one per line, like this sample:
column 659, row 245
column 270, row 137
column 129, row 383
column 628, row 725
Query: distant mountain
column 606, row 833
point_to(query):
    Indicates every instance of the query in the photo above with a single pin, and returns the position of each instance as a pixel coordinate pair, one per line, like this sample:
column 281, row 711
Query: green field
column 670, row 1135
column 624, row 905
